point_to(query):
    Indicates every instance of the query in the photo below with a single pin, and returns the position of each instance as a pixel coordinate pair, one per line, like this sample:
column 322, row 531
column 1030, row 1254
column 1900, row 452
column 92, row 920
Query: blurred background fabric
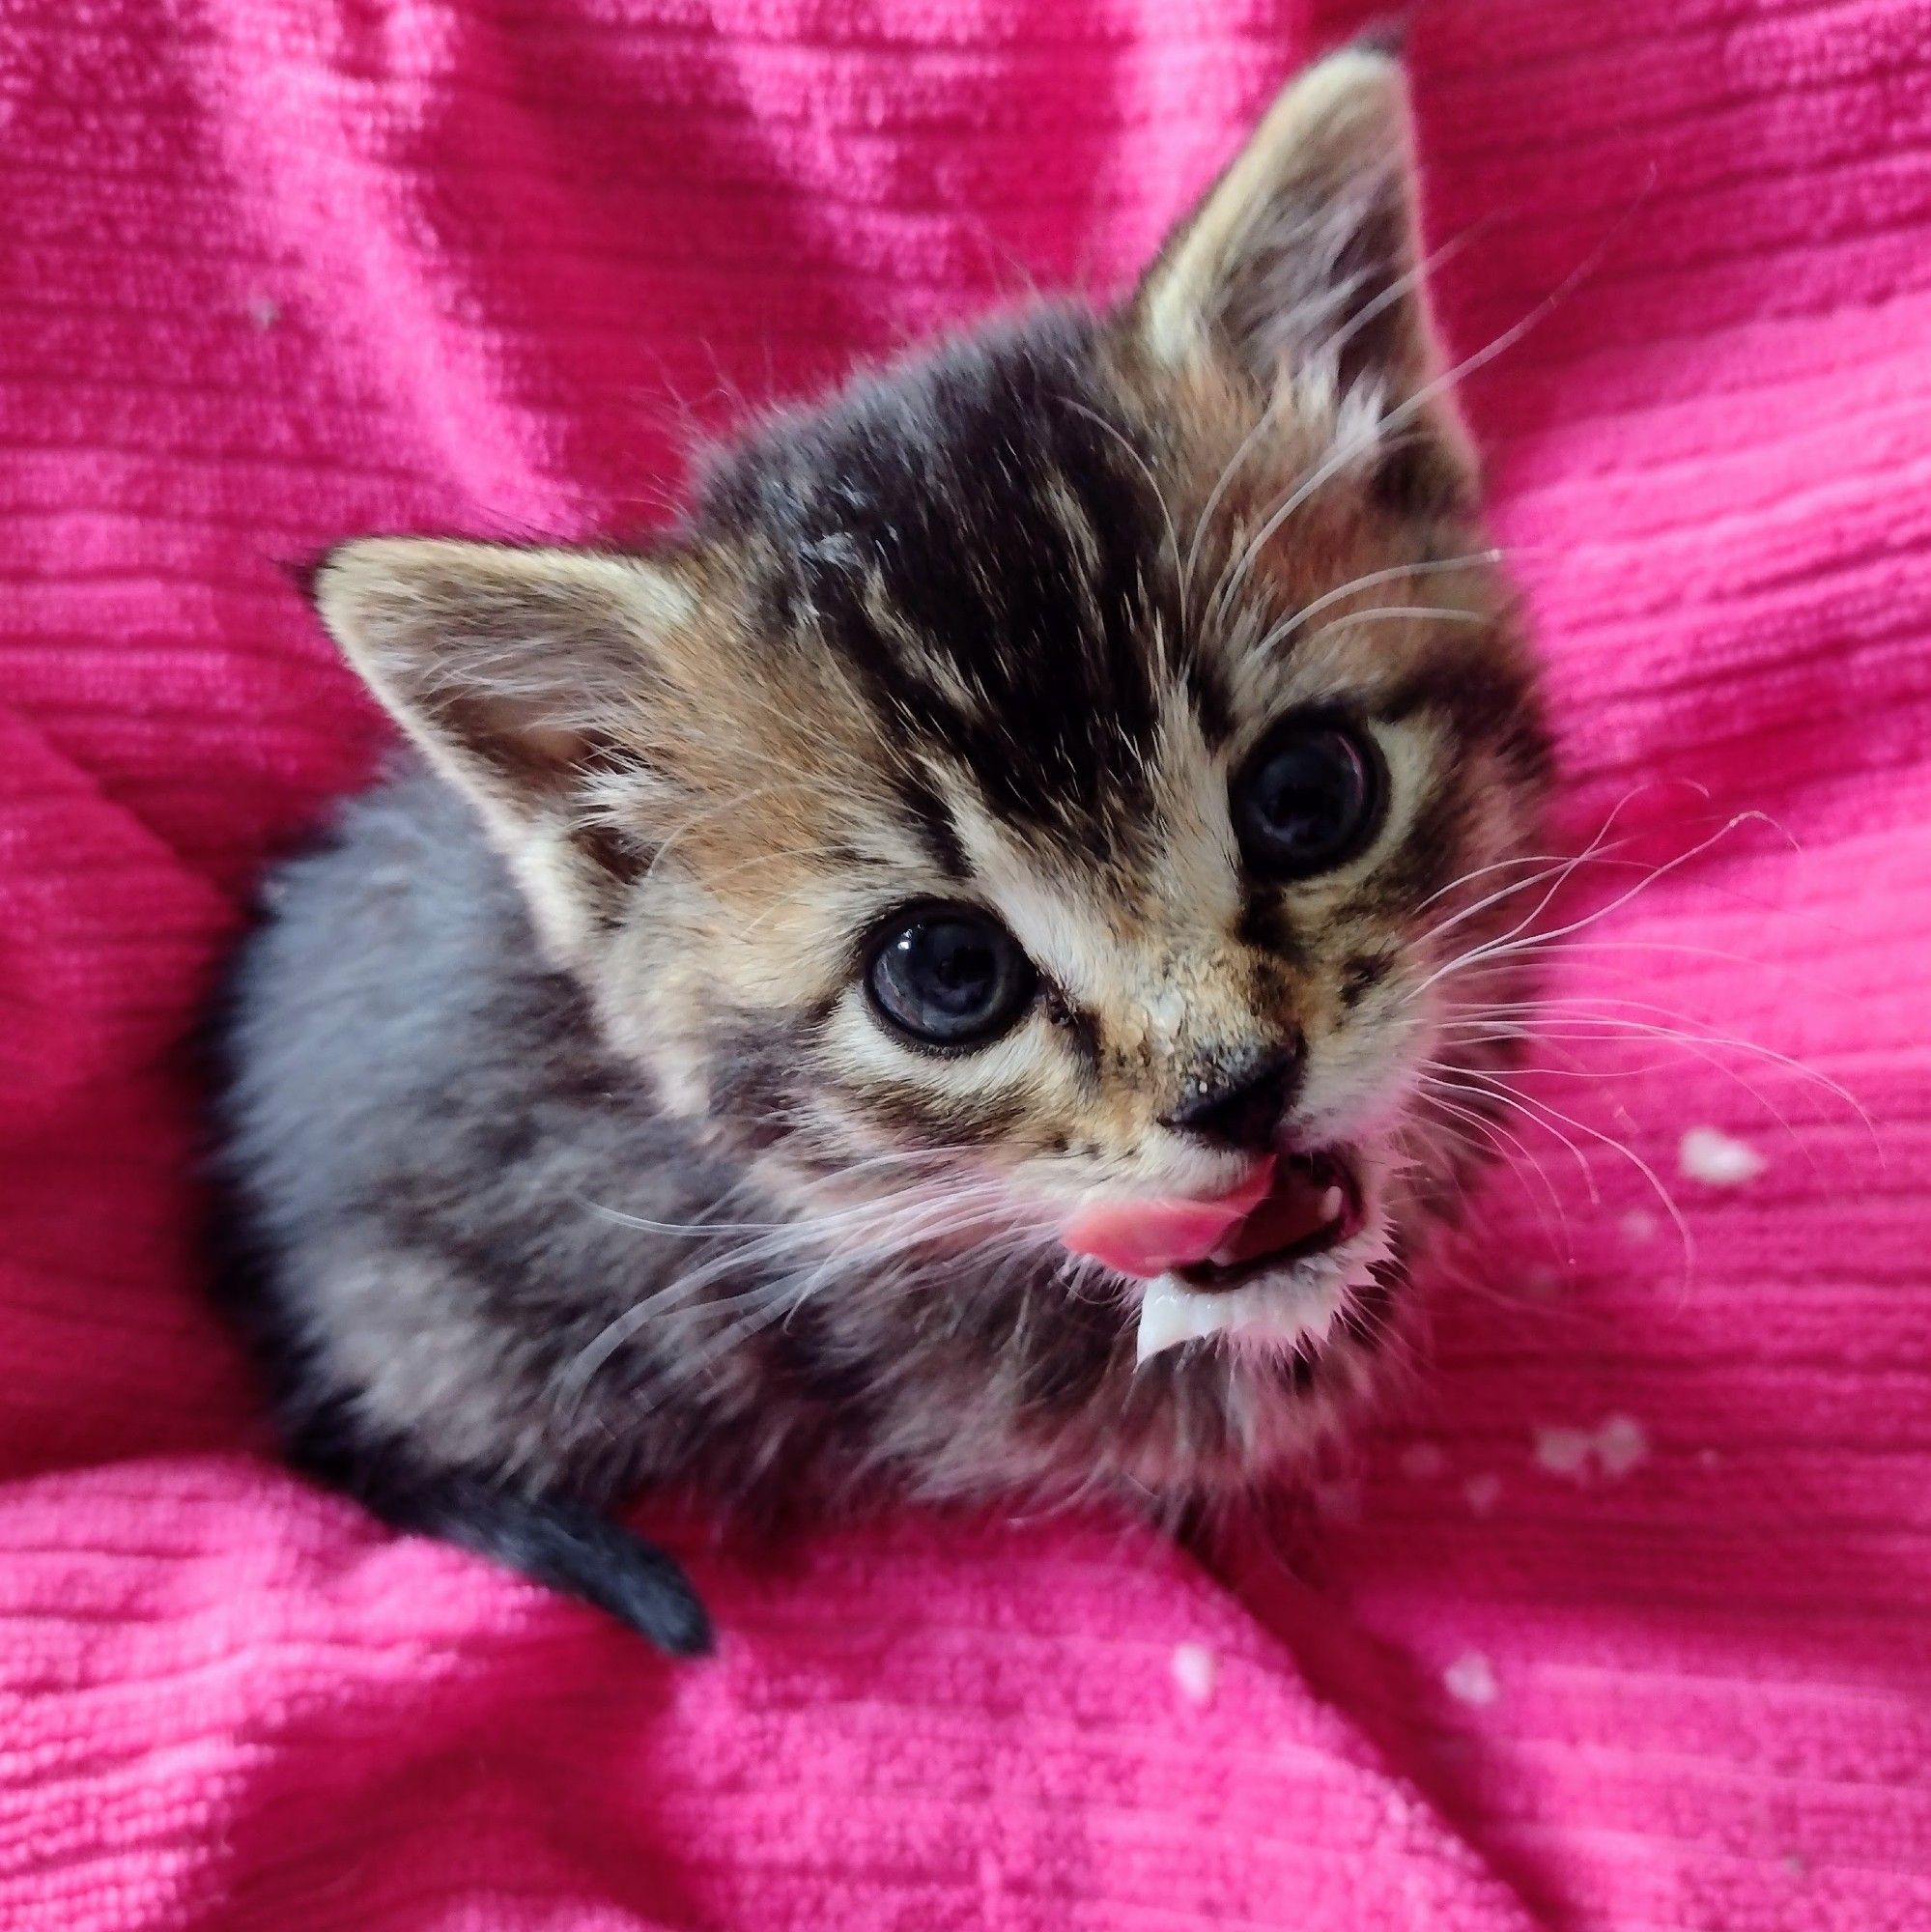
column 1621, row 1621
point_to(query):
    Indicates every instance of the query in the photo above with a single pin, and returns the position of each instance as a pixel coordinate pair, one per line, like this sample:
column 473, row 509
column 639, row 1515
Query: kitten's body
column 571, row 1152
column 451, row 1163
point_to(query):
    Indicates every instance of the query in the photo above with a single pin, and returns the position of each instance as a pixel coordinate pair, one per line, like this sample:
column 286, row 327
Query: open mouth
column 1274, row 1258
column 1289, row 1207
column 1313, row 1204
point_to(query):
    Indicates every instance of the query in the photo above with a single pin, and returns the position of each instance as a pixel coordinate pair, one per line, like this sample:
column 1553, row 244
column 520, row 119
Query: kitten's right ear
column 525, row 677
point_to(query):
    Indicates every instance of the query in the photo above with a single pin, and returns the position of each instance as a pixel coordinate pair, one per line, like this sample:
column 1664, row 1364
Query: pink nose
column 1148, row 1237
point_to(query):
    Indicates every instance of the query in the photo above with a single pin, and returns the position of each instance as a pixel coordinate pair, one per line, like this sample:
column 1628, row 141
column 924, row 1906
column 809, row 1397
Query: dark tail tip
column 551, row 1540
column 575, row 1550
column 646, row 1588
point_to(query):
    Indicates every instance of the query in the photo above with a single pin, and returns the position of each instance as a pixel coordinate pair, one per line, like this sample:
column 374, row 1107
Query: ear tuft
column 1300, row 263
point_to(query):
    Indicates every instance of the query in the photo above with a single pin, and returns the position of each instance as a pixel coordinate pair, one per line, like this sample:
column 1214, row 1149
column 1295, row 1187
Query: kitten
column 938, row 978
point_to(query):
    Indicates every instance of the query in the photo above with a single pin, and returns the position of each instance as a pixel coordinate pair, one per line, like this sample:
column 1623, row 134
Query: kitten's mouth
column 1273, row 1260
column 1290, row 1207
column 1313, row 1204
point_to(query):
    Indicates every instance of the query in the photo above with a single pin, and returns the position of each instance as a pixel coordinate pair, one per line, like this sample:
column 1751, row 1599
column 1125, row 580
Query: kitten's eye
column 1309, row 799
column 949, row 975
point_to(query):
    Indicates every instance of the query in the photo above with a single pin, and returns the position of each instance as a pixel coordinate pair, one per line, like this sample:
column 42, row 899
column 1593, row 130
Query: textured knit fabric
column 1624, row 1625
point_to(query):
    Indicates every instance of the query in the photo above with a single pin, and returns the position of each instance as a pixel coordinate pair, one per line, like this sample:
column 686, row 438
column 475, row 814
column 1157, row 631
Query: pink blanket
column 1626, row 1626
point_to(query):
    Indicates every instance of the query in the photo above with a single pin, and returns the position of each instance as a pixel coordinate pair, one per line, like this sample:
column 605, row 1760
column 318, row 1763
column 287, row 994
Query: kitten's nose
column 1241, row 1106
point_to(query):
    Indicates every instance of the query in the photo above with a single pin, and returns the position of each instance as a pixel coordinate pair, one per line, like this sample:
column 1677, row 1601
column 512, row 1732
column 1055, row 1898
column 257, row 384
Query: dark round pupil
column 952, row 979
column 956, row 966
column 1308, row 792
column 1309, row 801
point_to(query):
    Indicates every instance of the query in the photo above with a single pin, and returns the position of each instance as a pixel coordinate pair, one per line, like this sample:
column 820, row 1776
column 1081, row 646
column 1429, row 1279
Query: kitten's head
column 1059, row 760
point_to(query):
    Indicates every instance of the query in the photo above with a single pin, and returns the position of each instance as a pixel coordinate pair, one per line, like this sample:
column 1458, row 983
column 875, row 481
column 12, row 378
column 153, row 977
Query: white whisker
column 1490, row 948
column 1549, row 1115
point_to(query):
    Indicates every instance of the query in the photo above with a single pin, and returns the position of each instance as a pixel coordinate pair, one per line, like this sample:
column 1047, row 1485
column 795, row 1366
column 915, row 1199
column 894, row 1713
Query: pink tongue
column 1148, row 1237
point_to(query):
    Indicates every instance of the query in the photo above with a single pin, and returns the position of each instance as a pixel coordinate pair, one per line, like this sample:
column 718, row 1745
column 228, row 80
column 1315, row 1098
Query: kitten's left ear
column 1301, row 262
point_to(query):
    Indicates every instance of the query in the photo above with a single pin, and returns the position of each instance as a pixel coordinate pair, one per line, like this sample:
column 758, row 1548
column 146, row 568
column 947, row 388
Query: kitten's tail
column 565, row 1545
column 555, row 1541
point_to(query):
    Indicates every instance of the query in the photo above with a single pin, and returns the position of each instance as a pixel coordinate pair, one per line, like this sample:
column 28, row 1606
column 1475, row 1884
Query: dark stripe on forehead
column 925, row 805
column 1212, row 706
column 1429, row 851
column 989, row 558
column 1474, row 687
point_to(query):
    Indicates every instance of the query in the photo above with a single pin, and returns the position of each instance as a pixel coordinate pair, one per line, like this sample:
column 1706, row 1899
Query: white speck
column 1614, row 1449
column 1638, row 1225
column 1484, row 1493
column 1709, row 1458
column 1331, row 1204
column 1471, row 1679
column 1423, row 1462
column 1621, row 1445
column 1194, row 1671
column 1713, row 1157
column 264, row 311
column 1564, row 1452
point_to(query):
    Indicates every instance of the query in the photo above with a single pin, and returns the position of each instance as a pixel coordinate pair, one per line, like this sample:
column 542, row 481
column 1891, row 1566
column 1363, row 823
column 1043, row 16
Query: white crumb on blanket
column 1564, row 1452
column 1614, row 1449
column 1484, row 1493
column 1194, row 1671
column 1471, row 1679
column 1717, row 1160
column 1621, row 1445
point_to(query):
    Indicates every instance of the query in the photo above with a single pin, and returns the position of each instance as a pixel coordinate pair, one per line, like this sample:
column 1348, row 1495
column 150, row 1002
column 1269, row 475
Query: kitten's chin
column 1290, row 1311
column 1288, row 1301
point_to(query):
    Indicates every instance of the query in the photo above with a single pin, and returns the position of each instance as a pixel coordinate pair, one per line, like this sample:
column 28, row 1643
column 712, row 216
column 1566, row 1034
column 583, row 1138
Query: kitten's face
column 973, row 675
column 1058, row 764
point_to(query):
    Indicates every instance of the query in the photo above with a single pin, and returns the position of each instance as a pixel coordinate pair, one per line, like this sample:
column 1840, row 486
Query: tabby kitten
column 925, row 981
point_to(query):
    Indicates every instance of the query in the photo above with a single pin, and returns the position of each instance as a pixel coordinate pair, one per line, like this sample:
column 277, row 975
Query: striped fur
column 998, row 626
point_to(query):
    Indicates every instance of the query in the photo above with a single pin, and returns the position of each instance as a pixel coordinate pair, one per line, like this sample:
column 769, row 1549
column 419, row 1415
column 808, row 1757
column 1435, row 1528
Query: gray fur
column 559, row 1146
column 448, row 1170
